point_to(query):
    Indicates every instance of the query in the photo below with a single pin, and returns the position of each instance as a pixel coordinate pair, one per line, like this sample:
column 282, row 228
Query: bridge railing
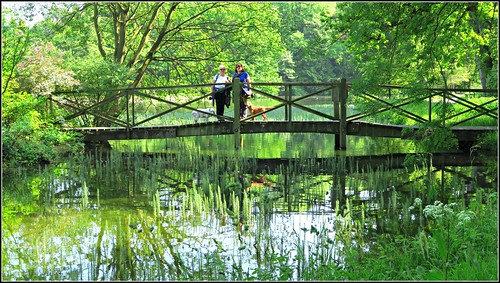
column 172, row 105
column 290, row 101
column 301, row 101
column 453, row 107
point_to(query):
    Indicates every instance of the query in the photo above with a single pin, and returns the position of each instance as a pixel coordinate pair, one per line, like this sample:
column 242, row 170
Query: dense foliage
column 30, row 130
column 444, row 44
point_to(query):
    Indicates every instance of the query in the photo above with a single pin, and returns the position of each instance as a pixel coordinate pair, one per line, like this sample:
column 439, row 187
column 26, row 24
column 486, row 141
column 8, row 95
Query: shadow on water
column 183, row 214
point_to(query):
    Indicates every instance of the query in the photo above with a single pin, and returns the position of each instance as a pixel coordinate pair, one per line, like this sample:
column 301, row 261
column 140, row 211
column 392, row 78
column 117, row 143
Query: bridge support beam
column 343, row 114
column 236, row 120
column 339, row 112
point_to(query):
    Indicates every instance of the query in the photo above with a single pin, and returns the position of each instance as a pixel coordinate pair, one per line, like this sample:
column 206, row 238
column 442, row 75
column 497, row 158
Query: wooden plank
column 221, row 128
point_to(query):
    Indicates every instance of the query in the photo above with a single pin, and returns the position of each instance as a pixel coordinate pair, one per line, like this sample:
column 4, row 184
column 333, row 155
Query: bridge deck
column 354, row 128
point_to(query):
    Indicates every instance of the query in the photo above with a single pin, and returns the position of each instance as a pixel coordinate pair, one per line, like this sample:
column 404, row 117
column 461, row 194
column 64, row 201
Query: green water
column 130, row 217
column 270, row 145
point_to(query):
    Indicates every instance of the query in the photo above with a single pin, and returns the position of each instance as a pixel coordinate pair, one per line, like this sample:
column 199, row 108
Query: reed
column 85, row 195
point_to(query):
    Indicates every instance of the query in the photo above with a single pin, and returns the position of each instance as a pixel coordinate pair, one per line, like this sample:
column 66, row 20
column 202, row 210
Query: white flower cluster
column 465, row 217
column 416, row 203
column 439, row 210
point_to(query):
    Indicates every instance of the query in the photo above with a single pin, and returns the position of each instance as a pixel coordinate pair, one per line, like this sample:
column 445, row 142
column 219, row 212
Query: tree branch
column 97, row 31
column 145, row 34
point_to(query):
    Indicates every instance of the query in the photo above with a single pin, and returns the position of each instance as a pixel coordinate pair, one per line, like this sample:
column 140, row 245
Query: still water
column 131, row 217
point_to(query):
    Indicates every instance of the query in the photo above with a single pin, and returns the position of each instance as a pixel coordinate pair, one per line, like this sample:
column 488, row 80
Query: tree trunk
column 484, row 60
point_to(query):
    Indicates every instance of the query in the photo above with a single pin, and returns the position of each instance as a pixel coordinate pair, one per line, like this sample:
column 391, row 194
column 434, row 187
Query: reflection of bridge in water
column 339, row 167
column 322, row 165
column 138, row 113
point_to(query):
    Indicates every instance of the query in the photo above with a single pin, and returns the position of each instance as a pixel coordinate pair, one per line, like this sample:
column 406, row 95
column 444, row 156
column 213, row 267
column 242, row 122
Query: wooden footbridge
column 165, row 112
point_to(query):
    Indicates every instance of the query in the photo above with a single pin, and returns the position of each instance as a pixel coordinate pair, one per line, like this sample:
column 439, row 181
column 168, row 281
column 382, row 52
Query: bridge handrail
column 286, row 99
column 207, row 85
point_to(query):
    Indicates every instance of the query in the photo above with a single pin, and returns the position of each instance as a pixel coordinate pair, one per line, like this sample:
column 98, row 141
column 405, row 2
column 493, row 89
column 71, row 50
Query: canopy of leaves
column 15, row 45
column 421, row 43
column 314, row 57
column 166, row 43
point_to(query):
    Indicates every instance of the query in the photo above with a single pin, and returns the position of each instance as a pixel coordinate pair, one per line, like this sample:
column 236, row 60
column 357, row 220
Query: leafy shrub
column 28, row 138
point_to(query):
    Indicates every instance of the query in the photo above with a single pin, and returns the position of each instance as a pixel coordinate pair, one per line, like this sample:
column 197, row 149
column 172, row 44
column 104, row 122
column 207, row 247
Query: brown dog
column 257, row 109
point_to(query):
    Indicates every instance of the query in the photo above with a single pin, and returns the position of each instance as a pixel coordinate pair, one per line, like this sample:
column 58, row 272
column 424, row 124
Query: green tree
column 16, row 40
column 42, row 72
column 424, row 44
column 286, row 67
column 182, row 41
column 30, row 133
column 315, row 58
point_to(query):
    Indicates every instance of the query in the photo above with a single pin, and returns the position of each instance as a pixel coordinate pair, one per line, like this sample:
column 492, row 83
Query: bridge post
column 288, row 106
column 336, row 110
column 335, row 99
column 343, row 114
column 236, row 120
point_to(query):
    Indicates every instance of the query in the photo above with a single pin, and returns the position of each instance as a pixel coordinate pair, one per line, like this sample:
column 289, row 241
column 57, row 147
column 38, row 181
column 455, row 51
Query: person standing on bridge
column 246, row 92
column 219, row 82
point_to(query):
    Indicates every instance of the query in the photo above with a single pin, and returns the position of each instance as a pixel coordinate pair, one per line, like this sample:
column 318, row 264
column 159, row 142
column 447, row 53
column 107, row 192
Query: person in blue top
column 246, row 92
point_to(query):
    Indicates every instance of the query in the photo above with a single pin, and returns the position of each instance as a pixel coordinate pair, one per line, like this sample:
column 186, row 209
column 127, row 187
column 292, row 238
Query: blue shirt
column 243, row 78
